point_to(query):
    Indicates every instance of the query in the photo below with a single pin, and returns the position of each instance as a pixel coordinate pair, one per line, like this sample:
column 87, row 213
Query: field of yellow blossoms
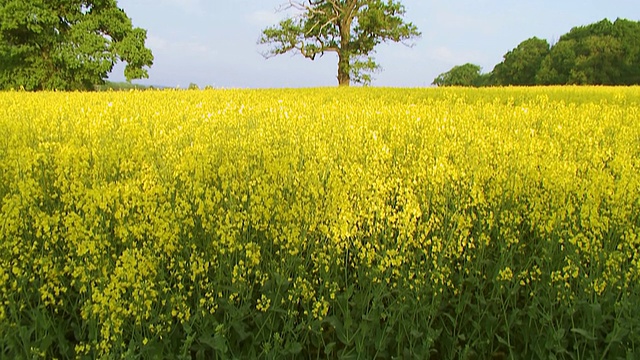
column 321, row 223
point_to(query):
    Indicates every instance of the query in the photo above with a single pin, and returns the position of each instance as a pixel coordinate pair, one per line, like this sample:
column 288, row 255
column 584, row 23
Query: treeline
column 120, row 86
column 603, row 53
column 126, row 86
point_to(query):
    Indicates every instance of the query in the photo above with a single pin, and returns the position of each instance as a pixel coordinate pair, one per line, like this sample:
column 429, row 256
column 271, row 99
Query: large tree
column 521, row 64
column 67, row 44
column 350, row 28
column 603, row 53
column 556, row 68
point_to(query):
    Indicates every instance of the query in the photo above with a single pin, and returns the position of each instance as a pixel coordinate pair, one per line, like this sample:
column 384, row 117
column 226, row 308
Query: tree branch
column 350, row 28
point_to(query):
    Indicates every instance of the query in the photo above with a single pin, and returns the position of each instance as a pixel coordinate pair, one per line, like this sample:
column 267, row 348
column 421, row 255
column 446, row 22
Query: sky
column 214, row 42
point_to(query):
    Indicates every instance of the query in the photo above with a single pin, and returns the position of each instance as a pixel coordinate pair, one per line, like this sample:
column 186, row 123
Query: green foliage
column 522, row 63
column 556, row 67
column 351, row 28
column 67, row 44
column 485, row 79
column 120, row 86
column 461, row 75
column 603, row 53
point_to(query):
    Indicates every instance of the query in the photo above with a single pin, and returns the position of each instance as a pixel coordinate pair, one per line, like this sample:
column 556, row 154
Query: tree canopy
column 350, row 28
column 67, row 44
column 603, row 53
column 461, row 75
column 521, row 65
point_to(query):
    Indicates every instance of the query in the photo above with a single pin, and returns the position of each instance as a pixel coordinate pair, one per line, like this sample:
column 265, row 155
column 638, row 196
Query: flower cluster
column 131, row 217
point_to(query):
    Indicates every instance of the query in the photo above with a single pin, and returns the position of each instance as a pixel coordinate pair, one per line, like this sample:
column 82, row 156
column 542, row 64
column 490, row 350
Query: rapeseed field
column 321, row 223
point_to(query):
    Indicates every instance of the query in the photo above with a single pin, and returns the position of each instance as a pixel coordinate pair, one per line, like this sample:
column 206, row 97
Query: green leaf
column 217, row 342
column 617, row 335
column 328, row 349
column 239, row 328
column 294, row 348
column 503, row 341
column 583, row 333
column 340, row 330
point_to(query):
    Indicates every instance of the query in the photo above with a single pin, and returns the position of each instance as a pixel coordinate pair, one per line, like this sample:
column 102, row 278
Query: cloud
column 443, row 54
column 156, row 43
column 186, row 3
column 449, row 56
column 264, row 18
column 187, row 6
column 179, row 48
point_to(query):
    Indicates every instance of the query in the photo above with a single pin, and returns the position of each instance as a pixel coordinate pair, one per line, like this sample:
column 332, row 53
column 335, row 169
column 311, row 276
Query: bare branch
column 327, row 23
column 351, row 9
column 301, row 6
column 337, row 7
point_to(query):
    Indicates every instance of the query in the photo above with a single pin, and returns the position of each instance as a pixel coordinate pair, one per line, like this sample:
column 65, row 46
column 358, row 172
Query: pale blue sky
column 213, row 42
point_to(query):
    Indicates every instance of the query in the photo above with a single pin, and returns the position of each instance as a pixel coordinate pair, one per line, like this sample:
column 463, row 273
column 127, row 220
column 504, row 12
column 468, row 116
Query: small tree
column 461, row 75
column 350, row 28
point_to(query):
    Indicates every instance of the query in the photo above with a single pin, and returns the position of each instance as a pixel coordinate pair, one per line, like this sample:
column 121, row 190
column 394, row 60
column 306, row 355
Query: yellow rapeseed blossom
column 143, row 212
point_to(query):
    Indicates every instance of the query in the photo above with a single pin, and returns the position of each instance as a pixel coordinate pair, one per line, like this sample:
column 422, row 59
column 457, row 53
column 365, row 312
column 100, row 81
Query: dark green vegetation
column 67, row 44
column 602, row 53
column 520, row 65
column 120, row 86
column 351, row 28
column 461, row 75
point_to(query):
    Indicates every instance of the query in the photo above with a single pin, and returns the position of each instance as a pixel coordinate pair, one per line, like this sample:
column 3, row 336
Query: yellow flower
column 505, row 274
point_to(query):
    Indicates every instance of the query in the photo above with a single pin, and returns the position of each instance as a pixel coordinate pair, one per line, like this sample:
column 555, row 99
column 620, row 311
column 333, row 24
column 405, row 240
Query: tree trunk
column 344, row 54
column 344, row 78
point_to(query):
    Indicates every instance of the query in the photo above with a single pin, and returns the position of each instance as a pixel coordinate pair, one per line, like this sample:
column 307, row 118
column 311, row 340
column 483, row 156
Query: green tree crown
column 350, row 28
column 460, row 75
column 67, row 44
